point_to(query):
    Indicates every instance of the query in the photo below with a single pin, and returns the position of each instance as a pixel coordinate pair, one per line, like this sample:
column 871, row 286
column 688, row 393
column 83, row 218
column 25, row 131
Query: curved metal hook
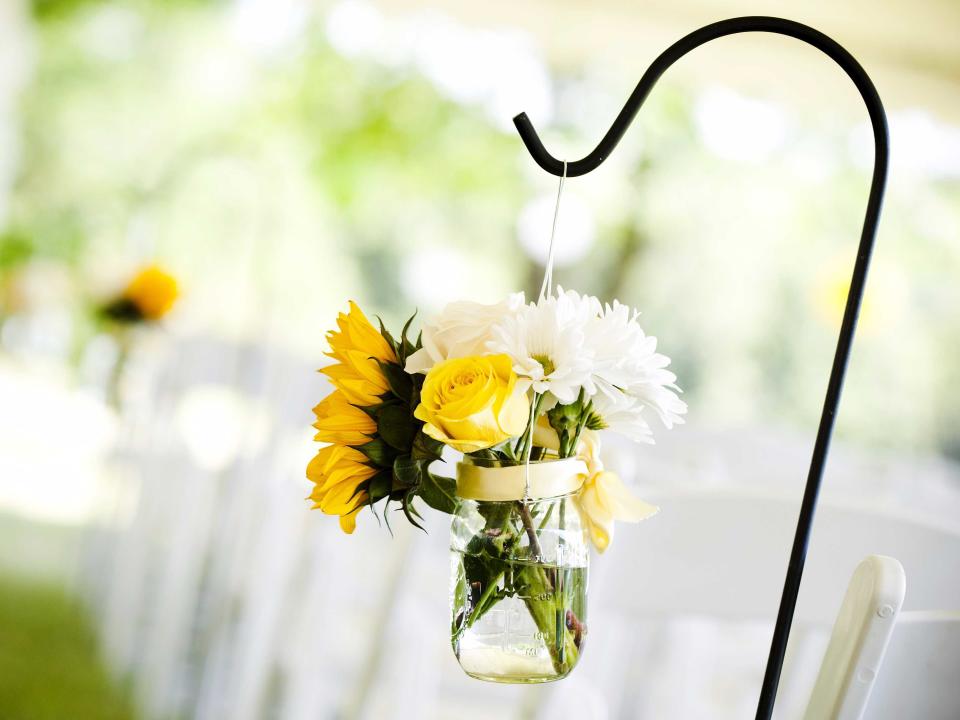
column 878, row 120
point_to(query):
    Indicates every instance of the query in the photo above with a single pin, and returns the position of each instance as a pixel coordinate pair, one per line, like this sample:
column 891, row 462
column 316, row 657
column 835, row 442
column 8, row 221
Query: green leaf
column 401, row 384
column 378, row 452
column 397, row 427
column 438, row 492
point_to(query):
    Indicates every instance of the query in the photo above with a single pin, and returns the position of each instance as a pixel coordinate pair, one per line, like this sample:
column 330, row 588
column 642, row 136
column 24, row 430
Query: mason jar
column 519, row 570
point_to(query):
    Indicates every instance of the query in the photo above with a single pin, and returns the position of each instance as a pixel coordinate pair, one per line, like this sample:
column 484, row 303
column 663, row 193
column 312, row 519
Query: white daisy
column 461, row 330
column 621, row 414
column 626, row 362
column 546, row 341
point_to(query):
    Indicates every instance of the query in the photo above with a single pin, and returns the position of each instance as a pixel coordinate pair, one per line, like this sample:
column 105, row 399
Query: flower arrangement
column 525, row 391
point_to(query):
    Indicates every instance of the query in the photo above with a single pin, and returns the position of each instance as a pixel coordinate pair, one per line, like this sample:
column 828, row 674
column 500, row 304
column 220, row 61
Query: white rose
column 461, row 330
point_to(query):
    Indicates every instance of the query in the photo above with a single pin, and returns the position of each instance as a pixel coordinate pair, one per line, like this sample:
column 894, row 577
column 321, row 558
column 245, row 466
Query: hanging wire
column 546, row 289
column 529, row 449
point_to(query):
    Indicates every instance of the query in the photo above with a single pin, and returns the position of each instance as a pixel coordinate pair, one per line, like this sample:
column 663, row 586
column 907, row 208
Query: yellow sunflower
column 337, row 472
column 340, row 421
column 153, row 291
column 357, row 347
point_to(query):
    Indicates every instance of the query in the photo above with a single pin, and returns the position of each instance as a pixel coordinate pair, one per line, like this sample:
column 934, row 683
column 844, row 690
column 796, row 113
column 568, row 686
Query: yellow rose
column 474, row 402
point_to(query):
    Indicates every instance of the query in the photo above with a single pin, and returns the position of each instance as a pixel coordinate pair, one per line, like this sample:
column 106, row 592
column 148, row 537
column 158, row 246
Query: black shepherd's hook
column 878, row 120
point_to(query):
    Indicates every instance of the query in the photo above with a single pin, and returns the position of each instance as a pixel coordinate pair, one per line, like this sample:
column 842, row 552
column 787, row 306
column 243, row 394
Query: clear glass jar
column 518, row 591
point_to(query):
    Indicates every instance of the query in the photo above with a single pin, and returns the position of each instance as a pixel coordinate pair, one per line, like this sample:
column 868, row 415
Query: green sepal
column 407, row 473
column 396, row 427
column 401, row 384
column 417, row 380
column 406, row 348
column 386, row 334
column 361, row 487
column 410, row 511
column 372, row 410
column 379, row 486
column 378, row 453
column 386, row 517
column 426, row 448
column 566, row 417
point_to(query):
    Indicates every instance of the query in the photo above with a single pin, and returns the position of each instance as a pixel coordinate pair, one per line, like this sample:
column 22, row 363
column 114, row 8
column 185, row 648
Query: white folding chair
column 919, row 674
column 682, row 606
column 859, row 640
column 882, row 663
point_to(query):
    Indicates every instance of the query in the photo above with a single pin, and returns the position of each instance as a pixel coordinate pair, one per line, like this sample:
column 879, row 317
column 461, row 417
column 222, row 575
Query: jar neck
column 545, row 479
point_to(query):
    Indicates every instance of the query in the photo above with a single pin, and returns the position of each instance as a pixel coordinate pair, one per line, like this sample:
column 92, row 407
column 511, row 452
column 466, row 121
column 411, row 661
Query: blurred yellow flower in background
column 357, row 348
column 338, row 472
column 341, row 422
column 153, row 291
column 474, row 402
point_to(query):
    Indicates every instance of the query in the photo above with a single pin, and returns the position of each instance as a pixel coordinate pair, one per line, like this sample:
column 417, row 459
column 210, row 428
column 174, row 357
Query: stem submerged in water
column 535, row 550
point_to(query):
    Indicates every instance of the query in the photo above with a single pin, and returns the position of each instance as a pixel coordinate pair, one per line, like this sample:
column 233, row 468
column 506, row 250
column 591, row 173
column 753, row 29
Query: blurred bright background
column 281, row 157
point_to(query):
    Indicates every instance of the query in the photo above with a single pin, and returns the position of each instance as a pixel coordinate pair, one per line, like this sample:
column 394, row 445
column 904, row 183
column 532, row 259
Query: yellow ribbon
column 550, row 478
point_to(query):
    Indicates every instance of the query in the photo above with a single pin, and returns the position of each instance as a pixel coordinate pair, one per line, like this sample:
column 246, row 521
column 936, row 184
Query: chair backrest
column 722, row 553
column 859, row 640
column 919, row 674
column 884, row 664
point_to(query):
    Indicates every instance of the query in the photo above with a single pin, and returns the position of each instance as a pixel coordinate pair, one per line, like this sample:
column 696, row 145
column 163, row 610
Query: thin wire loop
column 546, row 289
column 529, row 447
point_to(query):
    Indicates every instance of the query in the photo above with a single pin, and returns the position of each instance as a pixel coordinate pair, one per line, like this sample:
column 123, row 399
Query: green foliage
column 399, row 446
column 569, row 421
column 50, row 10
column 395, row 427
column 439, row 492
column 49, row 663
column 15, row 249
column 378, row 453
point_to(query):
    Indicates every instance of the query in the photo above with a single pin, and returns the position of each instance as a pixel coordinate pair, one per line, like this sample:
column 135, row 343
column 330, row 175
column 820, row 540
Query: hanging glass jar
column 519, row 563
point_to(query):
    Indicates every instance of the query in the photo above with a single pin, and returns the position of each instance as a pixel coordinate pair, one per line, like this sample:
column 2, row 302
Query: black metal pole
column 878, row 120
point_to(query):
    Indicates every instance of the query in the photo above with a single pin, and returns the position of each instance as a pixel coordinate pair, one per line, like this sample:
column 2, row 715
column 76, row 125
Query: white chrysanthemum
column 461, row 330
column 546, row 341
column 625, row 361
column 657, row 392
column 620, row 413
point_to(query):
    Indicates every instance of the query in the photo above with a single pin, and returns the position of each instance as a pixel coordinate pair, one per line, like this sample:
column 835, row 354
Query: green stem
column 480, row 608
column 560, row 642
column 524, row 445
column 546, row 518
column 536, row 550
